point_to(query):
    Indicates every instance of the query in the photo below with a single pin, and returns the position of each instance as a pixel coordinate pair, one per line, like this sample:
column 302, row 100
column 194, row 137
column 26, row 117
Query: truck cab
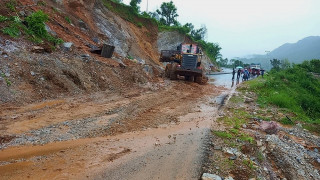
column 185, row 61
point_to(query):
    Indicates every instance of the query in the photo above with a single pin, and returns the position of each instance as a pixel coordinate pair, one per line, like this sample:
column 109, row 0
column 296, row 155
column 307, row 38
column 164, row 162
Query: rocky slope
column 250, row 143
column 29, row 76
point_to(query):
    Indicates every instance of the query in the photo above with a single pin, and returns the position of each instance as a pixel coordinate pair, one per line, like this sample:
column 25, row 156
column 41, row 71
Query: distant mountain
column 305, row 49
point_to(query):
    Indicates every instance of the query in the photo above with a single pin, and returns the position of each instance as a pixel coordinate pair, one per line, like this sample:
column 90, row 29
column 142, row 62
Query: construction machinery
column 185, row 61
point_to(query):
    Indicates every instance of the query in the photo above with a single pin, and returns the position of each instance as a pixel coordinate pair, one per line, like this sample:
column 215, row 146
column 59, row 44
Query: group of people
column 247, row 73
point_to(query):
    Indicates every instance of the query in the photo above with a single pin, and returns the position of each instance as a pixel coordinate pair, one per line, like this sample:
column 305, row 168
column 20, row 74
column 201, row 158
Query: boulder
column 37, row 49
column 269, row 127
column 67, row 46
column 50, row 31
column 207, row 176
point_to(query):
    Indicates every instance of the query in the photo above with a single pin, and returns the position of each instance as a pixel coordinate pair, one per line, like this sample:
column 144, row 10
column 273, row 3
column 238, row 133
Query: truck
column 185, row 61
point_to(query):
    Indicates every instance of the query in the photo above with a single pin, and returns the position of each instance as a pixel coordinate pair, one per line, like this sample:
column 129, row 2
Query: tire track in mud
column 182, row 123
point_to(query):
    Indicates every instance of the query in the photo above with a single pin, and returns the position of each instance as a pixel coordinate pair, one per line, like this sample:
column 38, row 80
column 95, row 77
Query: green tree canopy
column 223, row 62
column 134, row 4
column 285, row 64
column 168, row 13
column 199, row 34
column 275, row 64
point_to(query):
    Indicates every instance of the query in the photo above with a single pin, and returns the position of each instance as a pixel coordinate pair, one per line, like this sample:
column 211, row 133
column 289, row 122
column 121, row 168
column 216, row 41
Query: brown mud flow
column 147, row 135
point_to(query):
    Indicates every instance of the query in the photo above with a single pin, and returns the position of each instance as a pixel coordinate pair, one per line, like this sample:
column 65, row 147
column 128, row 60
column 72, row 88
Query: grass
column 33, row 27
column 240, row 116
column 312, row 127
column 3, row 18
column 129, row 13
column 41, row 3
column 68, row 19
column 12, row 30
column 260, row 156
column 286, row 121
column 236, row 99
column 245, row 137
column 11, row 5
column 223, row 134
column 8, row 82
column 249, row 163
column 295, row 91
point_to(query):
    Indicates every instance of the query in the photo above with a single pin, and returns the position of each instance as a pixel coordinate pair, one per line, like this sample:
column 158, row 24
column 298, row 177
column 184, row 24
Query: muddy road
column 156, row 134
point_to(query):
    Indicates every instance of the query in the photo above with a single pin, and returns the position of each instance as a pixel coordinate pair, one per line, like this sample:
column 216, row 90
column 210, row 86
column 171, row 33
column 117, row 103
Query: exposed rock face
column 169, row 40
column 118, row 33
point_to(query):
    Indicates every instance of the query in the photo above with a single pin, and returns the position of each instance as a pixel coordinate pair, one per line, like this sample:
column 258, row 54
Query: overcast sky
column 243, row 27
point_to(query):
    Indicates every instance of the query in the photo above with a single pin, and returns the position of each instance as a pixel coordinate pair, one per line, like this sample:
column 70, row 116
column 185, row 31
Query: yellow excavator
column 185, row 61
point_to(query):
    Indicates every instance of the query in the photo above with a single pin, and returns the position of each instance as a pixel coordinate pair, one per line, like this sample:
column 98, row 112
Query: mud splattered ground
column 110, row 136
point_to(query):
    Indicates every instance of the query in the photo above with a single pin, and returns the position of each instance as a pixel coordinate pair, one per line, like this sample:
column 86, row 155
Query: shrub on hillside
column 294, row 88
column 34, row 27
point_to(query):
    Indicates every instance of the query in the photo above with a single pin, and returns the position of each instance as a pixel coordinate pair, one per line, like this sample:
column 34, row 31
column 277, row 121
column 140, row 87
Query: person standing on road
column 262, row 72
column 233, row 73
column 239, row 73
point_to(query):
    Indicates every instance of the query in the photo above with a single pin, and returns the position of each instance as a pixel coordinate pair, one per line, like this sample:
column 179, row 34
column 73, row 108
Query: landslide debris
column 32, row 71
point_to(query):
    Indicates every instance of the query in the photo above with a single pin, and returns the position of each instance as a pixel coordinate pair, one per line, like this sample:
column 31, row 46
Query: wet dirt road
column 168, row 152
column 148, row 135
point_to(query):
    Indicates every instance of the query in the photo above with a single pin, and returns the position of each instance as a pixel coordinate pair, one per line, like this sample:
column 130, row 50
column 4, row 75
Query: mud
column 111, row 136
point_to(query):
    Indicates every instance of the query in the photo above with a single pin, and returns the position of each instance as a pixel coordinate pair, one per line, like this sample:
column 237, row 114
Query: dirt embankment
column 27, row 76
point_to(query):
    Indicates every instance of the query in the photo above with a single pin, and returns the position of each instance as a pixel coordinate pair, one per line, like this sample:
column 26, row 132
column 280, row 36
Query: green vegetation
column 168, row 13
column 236, row 99
column 239, row 117
column 8, row 82
column 41, row 3
column 34, row 27
column 246, row 137
column 286, row 121
column 249, row 163
column 3, row 18
column 311, row 66
column 134, row 5
column 223, row 134
column 260, row 156
column 129, row 13
column 293, row 88
column 67, row 19
column 11, row 5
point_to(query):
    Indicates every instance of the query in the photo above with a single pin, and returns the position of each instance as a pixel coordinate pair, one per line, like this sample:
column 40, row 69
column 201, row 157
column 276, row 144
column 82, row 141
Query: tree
column 237, row 63
column 168, row 13
column 212, row 49
column 117, row 1
column 223, row 62
column 285, row 64
column 134, row 5
column 199, row 34
column 189, row 26
column 275, row 64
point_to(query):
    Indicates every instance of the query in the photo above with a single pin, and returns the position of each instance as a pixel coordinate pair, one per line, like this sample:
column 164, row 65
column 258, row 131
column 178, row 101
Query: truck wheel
column 198, row 79
column 167, row 71
column 191, row 78
column 173, row 74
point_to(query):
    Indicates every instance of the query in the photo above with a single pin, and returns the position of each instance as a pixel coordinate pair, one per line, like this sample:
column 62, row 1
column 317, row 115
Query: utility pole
column 147, row 5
